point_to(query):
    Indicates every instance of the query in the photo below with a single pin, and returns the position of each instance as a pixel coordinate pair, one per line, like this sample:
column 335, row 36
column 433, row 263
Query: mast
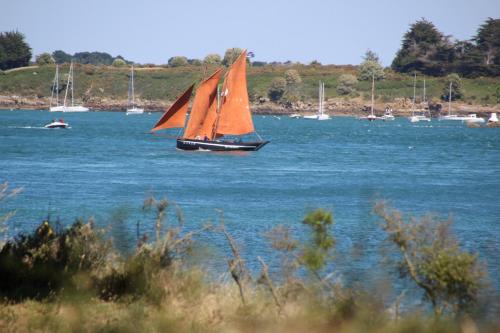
column 414, row 93
column 320, row 100
column 72, row 86
column 449, row 101
column 67, row 84
column 57, row 85
column 373, row 92
column 133, row 92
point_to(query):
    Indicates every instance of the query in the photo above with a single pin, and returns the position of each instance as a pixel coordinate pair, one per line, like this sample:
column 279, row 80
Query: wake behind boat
column 215, row 115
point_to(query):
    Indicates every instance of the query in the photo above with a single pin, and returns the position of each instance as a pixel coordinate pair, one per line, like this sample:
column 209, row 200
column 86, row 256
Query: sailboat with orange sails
column 215, row 115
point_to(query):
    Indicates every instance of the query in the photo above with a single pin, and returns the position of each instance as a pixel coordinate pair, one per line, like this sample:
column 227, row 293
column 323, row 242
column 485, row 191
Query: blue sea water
column 106, row 164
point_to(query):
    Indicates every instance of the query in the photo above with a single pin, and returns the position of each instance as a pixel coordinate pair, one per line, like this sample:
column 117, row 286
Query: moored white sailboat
column 418, row 117
column 371, row 116
column 215, row 115
column 450, row 116
column 132, row 108
column 69, row 87
column 321, row 105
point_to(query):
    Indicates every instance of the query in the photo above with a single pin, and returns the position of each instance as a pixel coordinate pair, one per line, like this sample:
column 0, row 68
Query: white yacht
column 450, row 116
column 132, row 108
column 69, row 86
column 473, row 118
column 321, row 115
column 418, row 117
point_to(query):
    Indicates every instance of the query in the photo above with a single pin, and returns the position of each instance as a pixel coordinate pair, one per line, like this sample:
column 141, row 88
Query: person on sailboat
column 205, row 138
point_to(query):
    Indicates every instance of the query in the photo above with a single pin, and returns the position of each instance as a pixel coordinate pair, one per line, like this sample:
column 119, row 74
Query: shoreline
column 334, row 107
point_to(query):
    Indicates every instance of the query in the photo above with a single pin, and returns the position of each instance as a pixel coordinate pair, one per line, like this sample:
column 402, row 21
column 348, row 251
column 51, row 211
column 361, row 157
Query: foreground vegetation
column 70, row 279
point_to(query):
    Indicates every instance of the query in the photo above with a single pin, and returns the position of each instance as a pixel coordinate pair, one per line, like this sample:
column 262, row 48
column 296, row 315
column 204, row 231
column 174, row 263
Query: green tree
column 424, row 49
column 14, row 51
column 61, row 57
column 488, row 41
column 118, row 62
column 449, row 277
column 277, row 89
column 320, row 246
column 370, row 67
column 347, row 84
column 231, row 55
column 93, row 58
column 456, row 88
column 212, row 59
column 177, row 61
column 44, row 59
column 195, row 62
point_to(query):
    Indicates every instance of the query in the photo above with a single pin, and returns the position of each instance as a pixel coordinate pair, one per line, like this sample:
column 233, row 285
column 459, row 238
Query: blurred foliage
column 60, row 279
column 44, row 59
column 347, row 84
column 14, row 51
column 177, row 61
column 431, row 257
column 231, row 55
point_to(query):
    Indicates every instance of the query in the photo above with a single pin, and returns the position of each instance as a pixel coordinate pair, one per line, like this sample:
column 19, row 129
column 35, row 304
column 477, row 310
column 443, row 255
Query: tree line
column 424, row 49
column 427, row 50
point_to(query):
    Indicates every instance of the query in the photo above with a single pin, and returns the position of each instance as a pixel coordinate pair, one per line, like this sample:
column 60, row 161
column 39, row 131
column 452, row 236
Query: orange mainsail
column 234, row 115
column 175, row 116
column 204, row 110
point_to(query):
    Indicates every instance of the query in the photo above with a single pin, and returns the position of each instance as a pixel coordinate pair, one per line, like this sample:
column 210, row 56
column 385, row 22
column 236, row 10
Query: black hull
column 188, row 144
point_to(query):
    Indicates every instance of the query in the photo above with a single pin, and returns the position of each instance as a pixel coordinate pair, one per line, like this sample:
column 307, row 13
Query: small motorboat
column 57, row 124
column 493, row 118
column 296, row 116
column 473, row 118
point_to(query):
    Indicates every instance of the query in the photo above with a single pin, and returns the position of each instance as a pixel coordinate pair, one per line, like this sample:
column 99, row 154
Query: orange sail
column 235, row 117
column 204, row 110
column 175, row 116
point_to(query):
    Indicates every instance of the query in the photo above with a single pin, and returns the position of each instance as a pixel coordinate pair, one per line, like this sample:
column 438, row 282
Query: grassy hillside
column 165, row 84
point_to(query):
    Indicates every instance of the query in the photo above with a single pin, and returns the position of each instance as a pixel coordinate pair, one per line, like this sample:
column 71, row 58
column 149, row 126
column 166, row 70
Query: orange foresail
column 204, row 110
column 175, row 116
column 234, row 115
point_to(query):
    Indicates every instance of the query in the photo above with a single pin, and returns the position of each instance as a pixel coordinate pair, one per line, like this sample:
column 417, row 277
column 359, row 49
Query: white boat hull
column 63, row 108
column 318, row 117
column 57, row 124
column 416, row 119
column 134, row 111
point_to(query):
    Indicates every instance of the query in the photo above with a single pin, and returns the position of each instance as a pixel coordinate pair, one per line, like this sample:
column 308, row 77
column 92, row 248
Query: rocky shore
column 333, row 106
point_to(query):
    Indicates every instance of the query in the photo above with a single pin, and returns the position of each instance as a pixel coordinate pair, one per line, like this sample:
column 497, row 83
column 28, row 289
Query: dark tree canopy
column 14, row 51
column 424, row 49
column 427, row 50
column 61, row 57
column 488, row 41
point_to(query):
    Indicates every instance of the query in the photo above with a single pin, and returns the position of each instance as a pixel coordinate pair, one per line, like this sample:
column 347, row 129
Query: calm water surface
column 106, row 164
